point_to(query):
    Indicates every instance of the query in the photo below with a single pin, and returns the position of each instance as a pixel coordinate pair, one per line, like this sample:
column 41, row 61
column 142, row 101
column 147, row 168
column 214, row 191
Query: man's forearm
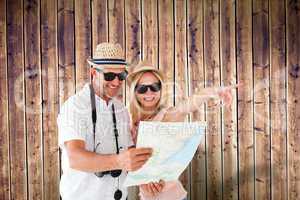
column 87, row 161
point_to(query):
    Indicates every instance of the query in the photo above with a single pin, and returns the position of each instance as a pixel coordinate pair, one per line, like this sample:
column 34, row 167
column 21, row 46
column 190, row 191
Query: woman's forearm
column 192, row 103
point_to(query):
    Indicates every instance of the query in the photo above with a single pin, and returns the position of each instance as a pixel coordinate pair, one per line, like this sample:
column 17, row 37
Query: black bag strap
column 115, row 127
column 94, row 113
column 94, row 119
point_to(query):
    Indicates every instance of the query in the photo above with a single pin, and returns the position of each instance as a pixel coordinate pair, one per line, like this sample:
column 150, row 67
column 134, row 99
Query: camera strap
column 94, row 113
column 94, row 119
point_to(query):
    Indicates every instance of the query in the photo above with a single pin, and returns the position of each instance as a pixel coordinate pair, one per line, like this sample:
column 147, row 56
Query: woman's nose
column 148, row 90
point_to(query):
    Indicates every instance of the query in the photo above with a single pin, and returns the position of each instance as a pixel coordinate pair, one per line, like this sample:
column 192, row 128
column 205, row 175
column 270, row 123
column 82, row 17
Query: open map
column 174, row 145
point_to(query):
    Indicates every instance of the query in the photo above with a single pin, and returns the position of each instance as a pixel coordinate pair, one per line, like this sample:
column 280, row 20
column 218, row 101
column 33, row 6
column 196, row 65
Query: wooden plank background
column 251, row 149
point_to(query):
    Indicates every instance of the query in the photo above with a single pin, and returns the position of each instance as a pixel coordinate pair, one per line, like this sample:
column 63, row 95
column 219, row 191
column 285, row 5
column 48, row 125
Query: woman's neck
column 149, row 114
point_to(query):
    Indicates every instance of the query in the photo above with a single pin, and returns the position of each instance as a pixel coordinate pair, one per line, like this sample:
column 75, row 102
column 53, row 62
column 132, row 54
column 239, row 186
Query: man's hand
column 134, row 158
column 153, row 189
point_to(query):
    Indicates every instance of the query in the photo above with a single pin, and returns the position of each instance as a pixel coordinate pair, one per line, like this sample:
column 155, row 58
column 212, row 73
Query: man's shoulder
column 79, row 101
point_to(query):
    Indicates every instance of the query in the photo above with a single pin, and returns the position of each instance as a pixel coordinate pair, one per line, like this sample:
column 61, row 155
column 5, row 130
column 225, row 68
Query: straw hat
column 143, row 66
column 108, row 54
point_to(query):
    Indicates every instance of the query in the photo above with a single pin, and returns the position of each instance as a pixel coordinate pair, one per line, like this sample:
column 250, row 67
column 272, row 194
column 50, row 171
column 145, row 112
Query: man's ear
column 92, row 72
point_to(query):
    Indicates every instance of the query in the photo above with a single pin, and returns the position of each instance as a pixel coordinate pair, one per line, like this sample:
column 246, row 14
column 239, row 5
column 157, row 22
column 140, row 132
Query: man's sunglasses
column 110, row 76
column 142, row 89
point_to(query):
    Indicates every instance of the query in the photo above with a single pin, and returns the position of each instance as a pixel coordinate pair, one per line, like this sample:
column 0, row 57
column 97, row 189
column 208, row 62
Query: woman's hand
column 222, row 93
column 225, row 93
column 153, row 189
column 134, row 131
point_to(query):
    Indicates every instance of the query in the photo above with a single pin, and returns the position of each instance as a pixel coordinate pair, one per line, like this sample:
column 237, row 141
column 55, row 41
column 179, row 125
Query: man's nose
column 116, row 81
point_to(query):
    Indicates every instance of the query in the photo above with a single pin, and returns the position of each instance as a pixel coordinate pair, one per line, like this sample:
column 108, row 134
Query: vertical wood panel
column 33, row 98
column 261, row 67
column 229, row 119
column 196, row 80
column 278, row 100
column 82, row 41
column 150, row 31
column 99, row 22
column 133, row 50
column 66, row 48
column 245, row 99
column 133, row 31
column 180, row 70
column 116, row 22
column 4, row 134
column 166, row 45
column 116, row 30
column 50, row 99
column 293, row 67
column 16, row 97
column 212, row 77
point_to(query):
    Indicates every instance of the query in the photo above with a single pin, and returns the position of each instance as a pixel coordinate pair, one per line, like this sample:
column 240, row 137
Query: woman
column 147, row 103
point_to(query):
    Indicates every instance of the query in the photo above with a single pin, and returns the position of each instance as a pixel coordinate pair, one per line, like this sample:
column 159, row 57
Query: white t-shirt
column 75, row 123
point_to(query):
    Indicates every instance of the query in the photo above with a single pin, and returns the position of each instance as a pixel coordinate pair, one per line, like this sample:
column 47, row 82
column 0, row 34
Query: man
column 94, row 133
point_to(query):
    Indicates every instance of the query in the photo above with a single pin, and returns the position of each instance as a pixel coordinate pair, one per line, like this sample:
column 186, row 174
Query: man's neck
column 100, row 94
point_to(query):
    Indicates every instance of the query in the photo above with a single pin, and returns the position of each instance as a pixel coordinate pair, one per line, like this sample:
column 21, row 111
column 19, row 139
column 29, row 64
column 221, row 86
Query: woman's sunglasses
column 110, row 76
column 142, row 89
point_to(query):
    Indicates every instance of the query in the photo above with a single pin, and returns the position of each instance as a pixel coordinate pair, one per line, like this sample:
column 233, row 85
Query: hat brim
column 133, row 74
column 106, row 62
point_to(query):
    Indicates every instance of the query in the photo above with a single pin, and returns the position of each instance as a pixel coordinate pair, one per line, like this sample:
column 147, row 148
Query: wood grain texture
column 16, row 98
column 33, row 101
column 197, row 80
column 133, row 31
column 50, row 95
column 150, row 31
column 133, row 51
column 293, row 112
column 116, row 22
column 212, row 78
column 99, row 22
column 83, row 42
column 229, row 118
column 66, row 49
column 181, row 71
column 245, row 99
column 278, row 100
column 261, row 67
column 116, row 30
column 4, row 134
column 166, row 46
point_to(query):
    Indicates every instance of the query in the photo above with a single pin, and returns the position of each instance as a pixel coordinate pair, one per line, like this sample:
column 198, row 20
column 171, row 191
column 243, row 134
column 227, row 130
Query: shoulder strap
column 94, row 113
column 115, row 127
column 93, row 105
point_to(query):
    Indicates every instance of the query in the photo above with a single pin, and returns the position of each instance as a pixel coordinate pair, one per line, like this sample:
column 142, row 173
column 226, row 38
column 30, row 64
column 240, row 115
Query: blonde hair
column 137, row 111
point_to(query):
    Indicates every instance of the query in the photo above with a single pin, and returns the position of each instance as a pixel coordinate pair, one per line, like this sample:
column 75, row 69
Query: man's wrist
column 118, row 161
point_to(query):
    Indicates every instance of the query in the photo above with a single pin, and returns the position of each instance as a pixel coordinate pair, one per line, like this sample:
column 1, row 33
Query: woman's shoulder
column 161, row 114
column 173, row 114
